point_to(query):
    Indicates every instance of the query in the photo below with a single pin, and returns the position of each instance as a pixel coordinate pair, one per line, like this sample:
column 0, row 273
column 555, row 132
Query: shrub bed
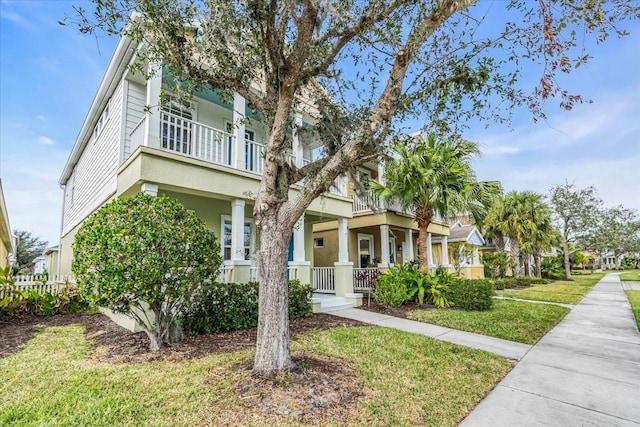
column 17, row 302
column 234, row 306
column 472, row 294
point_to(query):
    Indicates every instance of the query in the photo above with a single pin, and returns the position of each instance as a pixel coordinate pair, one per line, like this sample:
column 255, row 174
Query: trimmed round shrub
column 472, row 294
column 146, row 257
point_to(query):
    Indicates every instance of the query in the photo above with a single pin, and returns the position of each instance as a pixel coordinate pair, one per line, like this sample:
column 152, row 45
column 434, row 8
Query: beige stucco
column 472, row 272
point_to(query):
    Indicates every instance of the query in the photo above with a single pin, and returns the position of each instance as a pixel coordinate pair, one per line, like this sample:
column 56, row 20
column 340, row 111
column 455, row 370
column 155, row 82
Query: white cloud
column 43, row 140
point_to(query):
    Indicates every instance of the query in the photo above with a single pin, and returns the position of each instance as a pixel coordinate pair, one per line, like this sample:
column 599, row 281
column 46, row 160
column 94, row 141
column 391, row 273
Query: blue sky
column 49, row 75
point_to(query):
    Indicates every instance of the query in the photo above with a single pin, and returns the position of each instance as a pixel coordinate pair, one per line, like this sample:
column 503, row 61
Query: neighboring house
column 377, row 238
column 52, row 260
column 8, row 241
column 205, row 155
column 467, row 240
column 39, row 265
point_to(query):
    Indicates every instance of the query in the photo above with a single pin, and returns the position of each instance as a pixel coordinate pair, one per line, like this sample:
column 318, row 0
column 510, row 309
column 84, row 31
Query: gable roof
column 464, row 233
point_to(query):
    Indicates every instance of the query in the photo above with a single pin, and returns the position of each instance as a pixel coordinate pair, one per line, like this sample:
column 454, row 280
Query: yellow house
column 379, row 234
column 461, row 251
column 7, row 240
column 206, row 154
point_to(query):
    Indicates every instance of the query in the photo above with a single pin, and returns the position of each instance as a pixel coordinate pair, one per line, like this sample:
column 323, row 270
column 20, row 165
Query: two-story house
column 204, row 154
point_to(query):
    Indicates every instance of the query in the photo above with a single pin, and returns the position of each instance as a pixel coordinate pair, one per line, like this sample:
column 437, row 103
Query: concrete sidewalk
column 584, row 372
column 509, row 349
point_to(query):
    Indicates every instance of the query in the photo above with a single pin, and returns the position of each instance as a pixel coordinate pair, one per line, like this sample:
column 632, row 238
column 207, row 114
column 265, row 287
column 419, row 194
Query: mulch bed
column 319, row 388
column 114, row 344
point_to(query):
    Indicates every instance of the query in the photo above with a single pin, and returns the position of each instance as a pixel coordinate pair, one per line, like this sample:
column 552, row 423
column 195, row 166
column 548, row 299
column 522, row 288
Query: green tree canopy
column 29, row 247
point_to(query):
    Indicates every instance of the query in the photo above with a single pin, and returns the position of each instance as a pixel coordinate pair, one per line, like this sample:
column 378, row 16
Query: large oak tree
column 370, row 65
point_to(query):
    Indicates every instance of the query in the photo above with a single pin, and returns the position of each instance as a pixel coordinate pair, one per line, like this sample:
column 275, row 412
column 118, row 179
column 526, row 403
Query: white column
column 149, row 188
column 239, row 114
column 297, row 149
column 381, row 169
column 445, row 251
column 408, row 240
column 429, row 252
column 152, row 116
column 298, row 241
column 384, row 245
column 237, row 230
column 476, row 256
column 343, row 240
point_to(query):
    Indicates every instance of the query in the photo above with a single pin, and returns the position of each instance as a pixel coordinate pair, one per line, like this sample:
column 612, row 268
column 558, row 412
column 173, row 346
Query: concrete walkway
column 509, row 349
column 584, row 372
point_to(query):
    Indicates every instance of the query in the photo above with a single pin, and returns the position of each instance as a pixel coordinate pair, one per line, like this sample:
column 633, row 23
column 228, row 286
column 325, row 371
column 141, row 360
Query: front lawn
column 391, row 377
column 510, row 320
column 562, row 291
column 634, row 300
column 631, row 276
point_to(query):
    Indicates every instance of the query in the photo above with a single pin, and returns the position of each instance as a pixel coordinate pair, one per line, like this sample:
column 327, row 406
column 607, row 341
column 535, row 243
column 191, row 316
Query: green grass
column 562, row 291
column 510, row 320
column 631, row 276
column 634, row 300
column 408, row 380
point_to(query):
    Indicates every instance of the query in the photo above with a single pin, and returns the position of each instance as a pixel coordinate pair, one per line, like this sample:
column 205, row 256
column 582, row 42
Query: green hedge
column 512, row 282
column 471, row 294
column 234, row 306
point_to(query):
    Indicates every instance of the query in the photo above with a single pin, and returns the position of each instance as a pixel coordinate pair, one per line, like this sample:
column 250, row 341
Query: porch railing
column 364, row 279
column 225, row 274
column 324, row 279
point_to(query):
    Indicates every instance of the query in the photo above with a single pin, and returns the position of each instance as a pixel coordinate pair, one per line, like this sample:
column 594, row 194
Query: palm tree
column 434, row 177
column 542, row 236
column 516, row 217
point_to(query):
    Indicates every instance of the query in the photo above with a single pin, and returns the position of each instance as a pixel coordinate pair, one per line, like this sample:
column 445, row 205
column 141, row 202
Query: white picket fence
column 39, row 283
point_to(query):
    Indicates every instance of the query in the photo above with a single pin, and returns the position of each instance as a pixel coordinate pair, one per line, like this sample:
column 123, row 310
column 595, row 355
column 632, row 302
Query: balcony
column 365, row 203
column 180, row 135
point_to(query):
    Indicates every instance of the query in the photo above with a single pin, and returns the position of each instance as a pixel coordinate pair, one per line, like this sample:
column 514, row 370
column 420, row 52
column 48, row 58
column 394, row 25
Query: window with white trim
column 248, row 240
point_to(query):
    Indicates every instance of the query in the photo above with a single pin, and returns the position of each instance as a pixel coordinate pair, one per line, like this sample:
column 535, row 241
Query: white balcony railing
column 136, row 137
column 180, row 135
column 187, row 137
column 368, row 201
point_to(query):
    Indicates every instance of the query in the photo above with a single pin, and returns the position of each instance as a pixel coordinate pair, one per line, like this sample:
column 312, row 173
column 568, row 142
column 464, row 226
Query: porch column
column 476, row 256
column 149, row 188
column 239, row 114
column 384, row 246
column 300, row 262
column 445, row 251
column 343, row 268
column 241, row 267
column 343, row 240
column 152, row 116
column 429, row 253
column 408, row 240
column 296, row 147
column 381, row 169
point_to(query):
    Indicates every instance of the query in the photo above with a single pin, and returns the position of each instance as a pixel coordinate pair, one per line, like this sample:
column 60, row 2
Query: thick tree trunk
column 499, row 242
column 424, row 215
column 514, row 253
column 536, row 260
column 567, row 261
column 272, row 348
